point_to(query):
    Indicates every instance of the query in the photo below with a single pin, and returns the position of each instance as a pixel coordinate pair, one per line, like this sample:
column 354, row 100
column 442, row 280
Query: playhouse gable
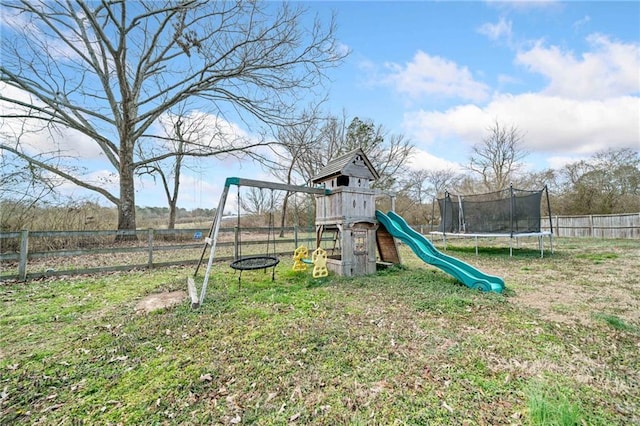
column 350, row 169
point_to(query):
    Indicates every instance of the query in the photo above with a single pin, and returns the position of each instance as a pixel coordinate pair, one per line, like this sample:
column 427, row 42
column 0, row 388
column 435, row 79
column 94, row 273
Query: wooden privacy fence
column 29, row 255
column 595, row 225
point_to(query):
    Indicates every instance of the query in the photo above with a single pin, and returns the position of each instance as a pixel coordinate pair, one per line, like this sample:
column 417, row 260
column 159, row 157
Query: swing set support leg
column 212, row 240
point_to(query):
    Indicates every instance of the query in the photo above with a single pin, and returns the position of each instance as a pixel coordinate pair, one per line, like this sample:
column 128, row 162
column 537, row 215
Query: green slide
column 425, row 250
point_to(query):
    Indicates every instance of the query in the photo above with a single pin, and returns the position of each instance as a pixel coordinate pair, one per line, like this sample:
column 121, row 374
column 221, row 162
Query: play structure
column 345, row 211
column 511, row 213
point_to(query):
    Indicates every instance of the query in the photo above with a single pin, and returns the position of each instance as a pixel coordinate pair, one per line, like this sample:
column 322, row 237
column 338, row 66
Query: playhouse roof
column 354, row 163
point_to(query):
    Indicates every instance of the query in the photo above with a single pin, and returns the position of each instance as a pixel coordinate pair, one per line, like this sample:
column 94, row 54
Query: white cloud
column 423, row 160
column 558, row 162
column 581, row 22
column 42, row 39
column 198, row 191
column 591, row 103
column 341, row 50
column 35, row 137
column 428, row 75
column 501, row 29
column 461, row 122
column 203, row 129
column 13, row 20
column 550, row 124
column 610, row 69
column 105, row 179
column 507, row 80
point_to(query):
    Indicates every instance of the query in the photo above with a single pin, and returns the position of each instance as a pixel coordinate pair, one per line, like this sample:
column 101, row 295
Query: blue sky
column 442, row 72
column 567, row 74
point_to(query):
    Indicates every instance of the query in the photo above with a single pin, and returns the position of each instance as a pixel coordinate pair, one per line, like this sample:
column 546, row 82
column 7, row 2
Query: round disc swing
column 265, row 261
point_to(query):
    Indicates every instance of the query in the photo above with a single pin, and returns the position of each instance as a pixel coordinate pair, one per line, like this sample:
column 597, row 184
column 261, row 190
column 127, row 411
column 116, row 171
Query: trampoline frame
column 540, row 235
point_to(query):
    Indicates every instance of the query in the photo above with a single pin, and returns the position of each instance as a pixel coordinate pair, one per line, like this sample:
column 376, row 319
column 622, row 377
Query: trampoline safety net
column 508, row 211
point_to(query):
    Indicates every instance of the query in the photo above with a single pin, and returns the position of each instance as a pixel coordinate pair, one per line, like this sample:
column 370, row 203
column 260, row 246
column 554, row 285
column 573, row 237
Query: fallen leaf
column 271, row 395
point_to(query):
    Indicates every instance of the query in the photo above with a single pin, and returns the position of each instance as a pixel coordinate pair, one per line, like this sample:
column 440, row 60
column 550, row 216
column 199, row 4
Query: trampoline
column 511, row 213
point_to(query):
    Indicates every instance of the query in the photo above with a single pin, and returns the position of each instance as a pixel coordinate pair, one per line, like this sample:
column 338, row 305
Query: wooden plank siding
column 346, row 205
column 625, row 226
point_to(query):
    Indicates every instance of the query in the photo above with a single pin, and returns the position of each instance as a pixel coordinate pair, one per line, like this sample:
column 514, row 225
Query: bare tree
column 110, row 70
column 388, row 153
column 297, row 142
column 423, row 186
column 308, row 146
column 261, row 205
column 169, row 170
column 23, row 185
column 497, row 158
column 256, row 201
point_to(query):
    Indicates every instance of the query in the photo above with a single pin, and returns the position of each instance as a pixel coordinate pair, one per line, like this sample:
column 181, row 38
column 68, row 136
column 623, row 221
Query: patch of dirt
column 156, row 301
column 574, row 290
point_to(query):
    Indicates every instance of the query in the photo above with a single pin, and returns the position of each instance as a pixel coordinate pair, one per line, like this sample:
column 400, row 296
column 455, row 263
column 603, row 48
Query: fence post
column 295, row 237
column 150, row 243
column 24, row 254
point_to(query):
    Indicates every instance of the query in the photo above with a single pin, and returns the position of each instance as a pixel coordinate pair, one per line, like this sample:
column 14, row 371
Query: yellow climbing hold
column 319, row 259
column 298, row 255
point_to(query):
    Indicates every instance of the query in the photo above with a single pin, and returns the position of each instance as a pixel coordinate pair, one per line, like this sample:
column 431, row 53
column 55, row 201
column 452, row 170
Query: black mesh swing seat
column 254, row 262
column 251, row 263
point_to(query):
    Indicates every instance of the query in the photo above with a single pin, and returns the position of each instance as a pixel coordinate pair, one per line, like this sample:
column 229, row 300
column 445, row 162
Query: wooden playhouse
column 348, row 213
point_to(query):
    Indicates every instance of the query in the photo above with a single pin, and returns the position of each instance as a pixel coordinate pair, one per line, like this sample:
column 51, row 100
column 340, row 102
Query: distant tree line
column 608, row 182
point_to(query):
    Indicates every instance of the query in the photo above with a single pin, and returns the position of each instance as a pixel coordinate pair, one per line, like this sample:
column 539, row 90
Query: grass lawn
column 409, row 345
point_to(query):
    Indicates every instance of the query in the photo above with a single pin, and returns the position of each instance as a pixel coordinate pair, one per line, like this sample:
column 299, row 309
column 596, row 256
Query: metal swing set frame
column 246, row 263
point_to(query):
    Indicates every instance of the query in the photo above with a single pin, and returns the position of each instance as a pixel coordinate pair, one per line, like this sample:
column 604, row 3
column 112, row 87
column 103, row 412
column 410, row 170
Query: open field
column 406, row 346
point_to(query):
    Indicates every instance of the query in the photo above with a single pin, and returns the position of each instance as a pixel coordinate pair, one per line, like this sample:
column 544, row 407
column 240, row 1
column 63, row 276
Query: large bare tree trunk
column 127, row 203
column 173, row 200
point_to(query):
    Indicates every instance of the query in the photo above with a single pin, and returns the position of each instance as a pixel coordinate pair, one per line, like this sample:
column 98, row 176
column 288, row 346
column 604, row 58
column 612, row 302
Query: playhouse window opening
column 343, row 180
